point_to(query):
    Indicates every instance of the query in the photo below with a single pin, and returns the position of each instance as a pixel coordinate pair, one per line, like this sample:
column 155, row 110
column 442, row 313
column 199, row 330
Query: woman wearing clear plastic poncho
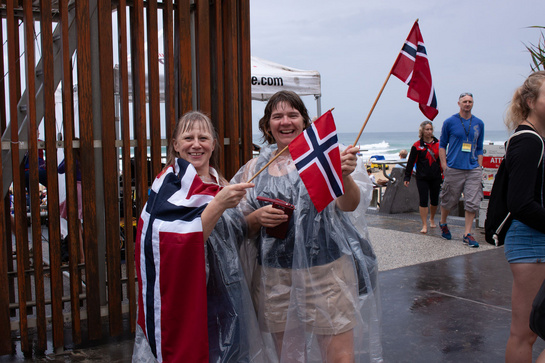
column 219, row 325
column 316, row 290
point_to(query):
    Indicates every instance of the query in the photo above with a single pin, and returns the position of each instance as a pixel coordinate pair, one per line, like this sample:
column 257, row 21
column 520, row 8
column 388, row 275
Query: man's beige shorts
column 467, row 181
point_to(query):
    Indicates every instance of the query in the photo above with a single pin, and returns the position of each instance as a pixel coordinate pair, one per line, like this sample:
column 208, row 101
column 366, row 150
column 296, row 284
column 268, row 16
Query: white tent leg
column 318, row 105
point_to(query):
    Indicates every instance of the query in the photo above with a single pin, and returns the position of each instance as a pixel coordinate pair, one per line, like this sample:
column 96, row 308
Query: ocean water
column 389, row 144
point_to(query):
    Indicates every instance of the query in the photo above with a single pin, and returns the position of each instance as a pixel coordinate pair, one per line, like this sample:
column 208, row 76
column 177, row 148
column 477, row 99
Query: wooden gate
column 102, row 82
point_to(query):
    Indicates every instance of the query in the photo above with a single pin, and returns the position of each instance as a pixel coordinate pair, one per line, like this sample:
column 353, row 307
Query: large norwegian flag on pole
column 170, row 266
column 318, row 160
column 412, row 67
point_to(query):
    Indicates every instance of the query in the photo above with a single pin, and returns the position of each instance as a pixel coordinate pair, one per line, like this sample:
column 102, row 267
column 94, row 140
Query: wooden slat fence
column 100, row 85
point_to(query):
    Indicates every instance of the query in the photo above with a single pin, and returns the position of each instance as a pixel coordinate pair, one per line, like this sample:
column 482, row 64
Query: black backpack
column 537, row 315
column 498, row 218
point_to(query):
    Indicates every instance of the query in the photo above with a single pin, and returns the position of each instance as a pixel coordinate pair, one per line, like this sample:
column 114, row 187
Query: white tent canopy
column 267, row 79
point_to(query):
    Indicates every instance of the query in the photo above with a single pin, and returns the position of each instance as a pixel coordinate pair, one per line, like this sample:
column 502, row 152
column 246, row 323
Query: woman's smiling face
column 196, row 146
column 286, row 124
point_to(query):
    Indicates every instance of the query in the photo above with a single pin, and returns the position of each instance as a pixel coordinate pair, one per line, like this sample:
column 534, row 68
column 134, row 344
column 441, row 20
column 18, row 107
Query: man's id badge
column 466, row 147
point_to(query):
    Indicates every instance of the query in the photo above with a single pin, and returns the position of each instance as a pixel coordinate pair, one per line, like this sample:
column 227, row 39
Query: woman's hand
column 351, row 198
column 349, row 160
column 270, row 217
column 265, row 217
column 406, row 183
column 226, row 198
column 230, row 195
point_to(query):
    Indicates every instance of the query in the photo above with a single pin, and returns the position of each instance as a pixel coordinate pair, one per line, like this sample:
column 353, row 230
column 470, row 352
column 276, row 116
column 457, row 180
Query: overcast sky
column 474, row 46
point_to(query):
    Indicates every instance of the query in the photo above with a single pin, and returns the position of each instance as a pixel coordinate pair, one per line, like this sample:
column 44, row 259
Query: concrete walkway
column 441, row 300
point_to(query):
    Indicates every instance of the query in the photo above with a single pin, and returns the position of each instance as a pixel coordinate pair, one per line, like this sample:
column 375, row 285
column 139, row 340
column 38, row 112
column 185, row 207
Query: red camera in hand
column 281, row 230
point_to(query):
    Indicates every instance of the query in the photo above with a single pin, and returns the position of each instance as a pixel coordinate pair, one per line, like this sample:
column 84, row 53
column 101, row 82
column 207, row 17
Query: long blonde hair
column 519, row 110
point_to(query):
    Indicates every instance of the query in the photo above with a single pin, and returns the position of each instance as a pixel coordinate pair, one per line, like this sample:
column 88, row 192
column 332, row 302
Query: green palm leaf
column 537, row 52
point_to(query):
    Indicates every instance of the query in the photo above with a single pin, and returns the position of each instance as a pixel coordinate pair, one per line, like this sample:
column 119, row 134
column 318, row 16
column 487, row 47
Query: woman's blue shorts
column 524, row 244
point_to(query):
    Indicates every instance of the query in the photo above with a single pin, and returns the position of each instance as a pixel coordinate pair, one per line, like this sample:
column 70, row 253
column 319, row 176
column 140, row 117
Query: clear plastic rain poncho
column 233, row 331
column 320, row 282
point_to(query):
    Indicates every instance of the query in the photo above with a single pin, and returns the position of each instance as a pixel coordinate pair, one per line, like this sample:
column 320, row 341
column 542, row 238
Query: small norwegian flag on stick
column 317, row 158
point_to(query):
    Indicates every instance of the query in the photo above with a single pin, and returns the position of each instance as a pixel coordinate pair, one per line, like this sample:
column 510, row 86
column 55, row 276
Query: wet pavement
column 454, row 307
column 453, row 310
column 441, row 301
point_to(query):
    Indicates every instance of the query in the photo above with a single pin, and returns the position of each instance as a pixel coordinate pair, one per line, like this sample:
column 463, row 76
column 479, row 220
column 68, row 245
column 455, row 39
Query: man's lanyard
column 469, row 128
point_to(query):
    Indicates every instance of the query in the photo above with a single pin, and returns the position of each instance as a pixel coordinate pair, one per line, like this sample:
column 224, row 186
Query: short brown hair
column 290, row 98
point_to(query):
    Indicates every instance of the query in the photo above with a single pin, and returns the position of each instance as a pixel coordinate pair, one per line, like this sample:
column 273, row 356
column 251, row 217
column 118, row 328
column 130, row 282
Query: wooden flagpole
column 373, row 107
column 269, row 163
column 276, row 156
column 376, row 100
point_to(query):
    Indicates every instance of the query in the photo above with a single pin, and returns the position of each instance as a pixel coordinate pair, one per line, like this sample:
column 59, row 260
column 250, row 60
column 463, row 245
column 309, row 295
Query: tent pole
column 318, row 105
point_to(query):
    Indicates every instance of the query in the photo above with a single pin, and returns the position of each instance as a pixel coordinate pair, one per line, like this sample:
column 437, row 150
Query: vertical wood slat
column 32, row 185
column 168, row 39
column 154, row 115
column 3, row 121
column 87, row 153
column 109, row 160
column 18, row 184
column 21, row 225
column 126, row 163
column 7, row 285
column 219, row 93
column 5, row 232
column 70, row 173
column 243, row 81
column 52, row 178
column 203, row 56
column 9, row 226
column 5, row 333
column 5, row 226
column 231, row 86
column 19, row 196
column 182, row 54
column 34, row 191
column 9, row 218
column 139, row 101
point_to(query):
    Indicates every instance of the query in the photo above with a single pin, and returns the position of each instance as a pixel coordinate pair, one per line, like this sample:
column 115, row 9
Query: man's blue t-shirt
column 455, row 132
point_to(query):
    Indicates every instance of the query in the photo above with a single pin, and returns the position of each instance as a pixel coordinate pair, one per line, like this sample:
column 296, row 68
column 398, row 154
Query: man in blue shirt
column 462, row 165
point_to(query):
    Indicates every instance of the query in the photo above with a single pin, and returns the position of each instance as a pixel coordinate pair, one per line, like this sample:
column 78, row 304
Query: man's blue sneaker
column 445, row 233
column 470, row 241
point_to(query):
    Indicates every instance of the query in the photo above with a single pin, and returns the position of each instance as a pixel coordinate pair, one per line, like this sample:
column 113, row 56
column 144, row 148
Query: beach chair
column 376, row 158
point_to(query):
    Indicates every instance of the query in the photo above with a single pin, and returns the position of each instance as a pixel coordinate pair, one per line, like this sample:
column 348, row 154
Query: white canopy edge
column 269, row 77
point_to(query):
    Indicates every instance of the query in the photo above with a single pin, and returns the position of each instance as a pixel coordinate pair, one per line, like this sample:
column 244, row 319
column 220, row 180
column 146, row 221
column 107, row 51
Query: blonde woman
column 219, row 325
column 525, row 238
column 425, row 154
